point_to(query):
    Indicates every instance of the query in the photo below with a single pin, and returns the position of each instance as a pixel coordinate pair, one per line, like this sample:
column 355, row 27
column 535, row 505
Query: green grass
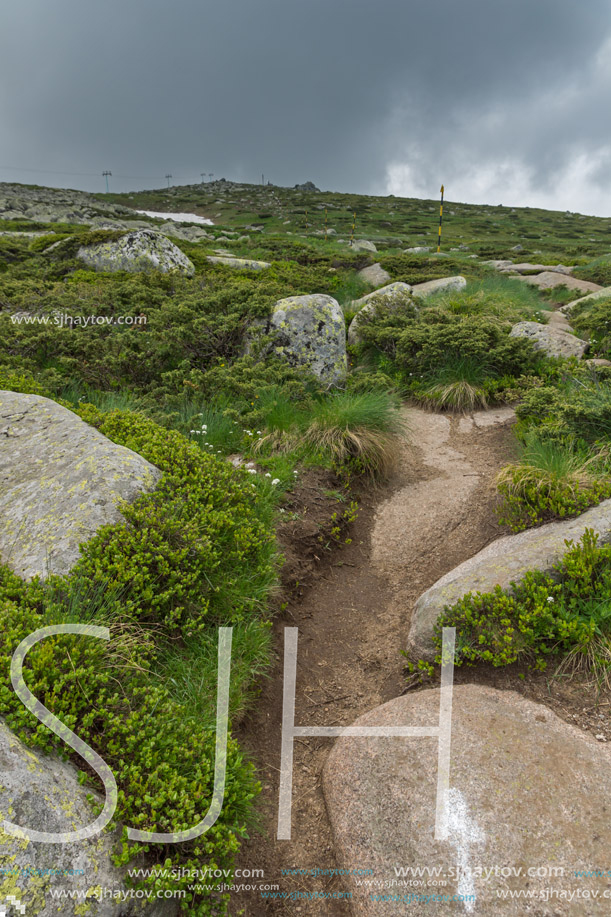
column 497, row 297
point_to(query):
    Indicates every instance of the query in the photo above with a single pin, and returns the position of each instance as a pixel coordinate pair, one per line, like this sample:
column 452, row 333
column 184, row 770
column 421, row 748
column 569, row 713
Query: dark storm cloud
column 494, row 98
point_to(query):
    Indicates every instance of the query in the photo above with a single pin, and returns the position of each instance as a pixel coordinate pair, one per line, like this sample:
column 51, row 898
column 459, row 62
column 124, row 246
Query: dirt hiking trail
column 437, row 511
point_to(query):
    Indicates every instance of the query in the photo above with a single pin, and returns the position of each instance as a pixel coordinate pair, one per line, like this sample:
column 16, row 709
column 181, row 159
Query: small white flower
column 251, row 470
column 276, row 481
column 267, row 474
column 550, row 598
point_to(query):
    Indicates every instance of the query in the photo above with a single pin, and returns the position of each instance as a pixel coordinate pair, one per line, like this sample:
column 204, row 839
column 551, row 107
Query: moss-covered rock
column 310, row 331
column 142, row 250
column 61, row 481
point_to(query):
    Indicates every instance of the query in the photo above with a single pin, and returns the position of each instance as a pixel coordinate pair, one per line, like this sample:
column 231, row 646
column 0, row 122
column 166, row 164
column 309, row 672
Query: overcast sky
column 504, row 101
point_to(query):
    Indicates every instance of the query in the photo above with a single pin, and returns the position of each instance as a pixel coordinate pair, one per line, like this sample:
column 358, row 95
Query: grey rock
column 603, row 293
column 423, row 290
column 362, row 245
column 306, row 186
column 552, row 341
column 310, row 331
column 60, row 481
column 417, row 250
column 500, row 563
column 524, row 266
column 244, row 264
column 143, row 250
column 547, row 280
column 42, row 793
column 374, row 275
column 518, row 248
column 525, row 791
column 499, row 264
column 388, row 299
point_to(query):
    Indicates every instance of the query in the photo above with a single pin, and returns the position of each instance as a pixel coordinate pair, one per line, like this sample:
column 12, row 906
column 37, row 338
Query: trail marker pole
column 168, row 176
column 440, row 219
column 325, row 224
column 306, row 220
column 353, row 226
column 106, row 174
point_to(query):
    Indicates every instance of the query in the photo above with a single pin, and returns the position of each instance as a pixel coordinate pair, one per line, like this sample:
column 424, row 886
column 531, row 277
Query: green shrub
column 596, row 271
column 540, row 616
column 552, row 480
column 196, row 553
column 593, row 319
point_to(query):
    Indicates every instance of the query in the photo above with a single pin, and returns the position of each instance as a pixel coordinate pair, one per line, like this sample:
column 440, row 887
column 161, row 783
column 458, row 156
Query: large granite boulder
column 42, row 793
column 387, row 299
column 500, row 563
column 60, row 480
column 362, row 245
column 143, row 250
column 527, row 792
column 423, row 290
column 309, row 331
column 374, row 275
column 552, row 341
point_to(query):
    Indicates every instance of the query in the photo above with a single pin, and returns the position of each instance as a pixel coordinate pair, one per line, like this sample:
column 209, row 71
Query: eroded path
column 436, row 512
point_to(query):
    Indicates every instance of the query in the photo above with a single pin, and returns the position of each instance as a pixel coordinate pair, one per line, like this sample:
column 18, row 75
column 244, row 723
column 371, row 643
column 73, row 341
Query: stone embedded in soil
column 526, row 790
column 603, row 293
column 551, row 340
column 374, row 275
column 548, row 279
column 500, row 563
column 423, row 290
column 243, row 264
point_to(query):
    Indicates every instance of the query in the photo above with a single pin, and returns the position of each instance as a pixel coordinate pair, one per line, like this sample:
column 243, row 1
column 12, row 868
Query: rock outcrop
column 60, row 481
column 310, row 331
column 42, row 793
column 143, row 250
column 603, row 293
column 526, row 790
column 549, row 279
column 241, row 264
column 500, row 563
column 362, row 245
column 552, row 341
column 423, row 290
column 374, row 275
column 387, row 298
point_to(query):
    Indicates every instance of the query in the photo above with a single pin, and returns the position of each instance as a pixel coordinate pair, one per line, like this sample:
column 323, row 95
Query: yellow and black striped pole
column 325, row 222
column 306, row 220
column 440, row 219
column 353, row 226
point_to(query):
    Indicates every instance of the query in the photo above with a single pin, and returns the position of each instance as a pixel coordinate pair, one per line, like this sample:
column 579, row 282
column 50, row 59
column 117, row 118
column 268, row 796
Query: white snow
column 177, row 217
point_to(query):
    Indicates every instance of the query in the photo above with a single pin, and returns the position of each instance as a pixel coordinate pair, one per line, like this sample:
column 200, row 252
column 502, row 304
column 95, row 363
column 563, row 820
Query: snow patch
column 177, row 217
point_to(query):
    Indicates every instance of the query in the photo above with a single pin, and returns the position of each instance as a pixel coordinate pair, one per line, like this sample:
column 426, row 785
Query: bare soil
column 352, row 607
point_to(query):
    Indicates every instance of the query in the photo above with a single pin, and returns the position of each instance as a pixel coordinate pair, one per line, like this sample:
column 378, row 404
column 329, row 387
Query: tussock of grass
column 496, row 297
column 357, row 428
column 546, row 463
column 456, row 386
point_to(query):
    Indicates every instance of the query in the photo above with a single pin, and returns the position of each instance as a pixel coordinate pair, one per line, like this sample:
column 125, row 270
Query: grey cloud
column 329, row 90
